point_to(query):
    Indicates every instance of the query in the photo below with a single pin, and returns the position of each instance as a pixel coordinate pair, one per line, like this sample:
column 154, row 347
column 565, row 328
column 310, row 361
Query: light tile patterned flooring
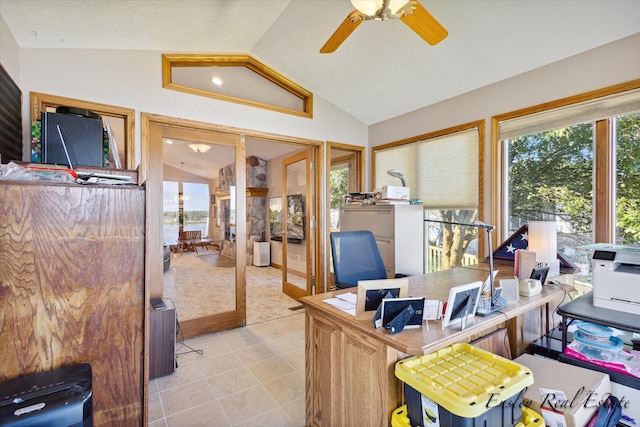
column 244, row 377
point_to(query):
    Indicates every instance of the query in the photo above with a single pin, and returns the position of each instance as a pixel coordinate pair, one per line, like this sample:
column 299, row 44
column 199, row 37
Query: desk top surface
column 431, row 336
column 582, row 308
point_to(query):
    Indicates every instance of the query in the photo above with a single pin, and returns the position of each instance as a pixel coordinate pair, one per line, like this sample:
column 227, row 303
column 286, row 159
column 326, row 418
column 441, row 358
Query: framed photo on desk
column 463, row 302
column 371, row 293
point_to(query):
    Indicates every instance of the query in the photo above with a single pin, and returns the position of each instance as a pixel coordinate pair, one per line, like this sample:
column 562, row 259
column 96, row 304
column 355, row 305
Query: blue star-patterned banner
column 518, row 240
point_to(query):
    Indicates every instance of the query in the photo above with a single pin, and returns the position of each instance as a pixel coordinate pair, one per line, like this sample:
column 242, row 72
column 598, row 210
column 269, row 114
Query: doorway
column 156, row 130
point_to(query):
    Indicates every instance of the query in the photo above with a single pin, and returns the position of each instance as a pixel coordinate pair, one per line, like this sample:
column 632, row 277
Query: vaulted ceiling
column 381, row 71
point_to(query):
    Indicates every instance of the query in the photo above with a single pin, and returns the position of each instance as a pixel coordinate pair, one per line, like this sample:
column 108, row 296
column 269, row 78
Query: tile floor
column 244, row 377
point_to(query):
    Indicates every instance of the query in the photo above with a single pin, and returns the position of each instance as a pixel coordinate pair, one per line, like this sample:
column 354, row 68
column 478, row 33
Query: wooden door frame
column 153, row 128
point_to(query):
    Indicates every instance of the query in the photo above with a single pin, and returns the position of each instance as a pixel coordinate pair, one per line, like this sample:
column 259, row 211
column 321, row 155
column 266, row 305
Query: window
column 196, row 207
column 235, row 78
column 627, row 178
column 444, row 171
column 577, row 164
column 549, row 177
column 190, row 213
column 170, row 205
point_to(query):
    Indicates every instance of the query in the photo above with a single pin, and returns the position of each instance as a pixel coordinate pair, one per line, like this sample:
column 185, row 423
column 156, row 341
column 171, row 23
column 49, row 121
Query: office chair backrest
column 355, row 257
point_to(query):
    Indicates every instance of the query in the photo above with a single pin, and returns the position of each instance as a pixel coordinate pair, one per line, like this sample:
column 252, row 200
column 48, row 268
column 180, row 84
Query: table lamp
column 543, row 241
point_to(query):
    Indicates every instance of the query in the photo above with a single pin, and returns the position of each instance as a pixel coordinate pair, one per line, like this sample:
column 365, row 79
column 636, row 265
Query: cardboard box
column 565, row 395
column 394, row 192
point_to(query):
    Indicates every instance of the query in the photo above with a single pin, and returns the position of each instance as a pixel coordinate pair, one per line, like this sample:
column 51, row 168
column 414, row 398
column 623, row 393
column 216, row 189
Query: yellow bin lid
column 465, row 380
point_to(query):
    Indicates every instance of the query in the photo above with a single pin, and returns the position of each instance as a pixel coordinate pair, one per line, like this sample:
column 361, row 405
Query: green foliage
column 339, row 186
column 551, row 177
column 628, row 179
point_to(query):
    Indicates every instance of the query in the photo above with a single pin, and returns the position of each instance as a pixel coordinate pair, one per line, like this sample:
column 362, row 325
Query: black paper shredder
column 58, row 398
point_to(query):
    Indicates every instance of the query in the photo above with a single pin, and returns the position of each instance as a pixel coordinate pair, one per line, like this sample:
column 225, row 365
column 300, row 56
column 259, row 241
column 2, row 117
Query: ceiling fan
column 410, row 12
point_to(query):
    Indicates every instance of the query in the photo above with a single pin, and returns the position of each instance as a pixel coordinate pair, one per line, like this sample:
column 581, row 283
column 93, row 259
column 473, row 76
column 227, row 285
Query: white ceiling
column 381, row 71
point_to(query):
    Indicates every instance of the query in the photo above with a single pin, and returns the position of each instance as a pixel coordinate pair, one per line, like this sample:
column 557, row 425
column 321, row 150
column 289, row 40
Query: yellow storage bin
column 530, row 418
column 460, row 383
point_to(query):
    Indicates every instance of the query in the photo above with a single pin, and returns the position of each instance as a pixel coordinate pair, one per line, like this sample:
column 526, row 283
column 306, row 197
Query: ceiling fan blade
column 425, row 25
column 347, row 27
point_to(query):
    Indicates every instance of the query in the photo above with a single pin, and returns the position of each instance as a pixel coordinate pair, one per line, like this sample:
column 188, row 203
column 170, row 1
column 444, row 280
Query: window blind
column 442, row 171
column 588, row 111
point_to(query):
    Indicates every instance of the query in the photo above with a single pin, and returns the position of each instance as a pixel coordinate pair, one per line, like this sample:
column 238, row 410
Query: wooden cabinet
column 399, row 232
column 72, row 289
column 351, row 375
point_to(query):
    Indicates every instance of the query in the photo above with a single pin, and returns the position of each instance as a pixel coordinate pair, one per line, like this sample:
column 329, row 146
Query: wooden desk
column 350, row 365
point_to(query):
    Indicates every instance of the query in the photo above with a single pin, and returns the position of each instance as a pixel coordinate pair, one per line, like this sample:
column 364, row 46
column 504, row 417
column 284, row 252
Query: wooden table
column 350, row 365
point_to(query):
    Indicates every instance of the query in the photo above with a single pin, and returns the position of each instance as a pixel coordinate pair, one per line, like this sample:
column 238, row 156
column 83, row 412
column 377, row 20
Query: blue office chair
column 355, row 257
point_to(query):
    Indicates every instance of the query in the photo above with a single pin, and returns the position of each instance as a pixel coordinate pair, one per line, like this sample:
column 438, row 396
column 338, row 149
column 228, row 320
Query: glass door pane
column 297, row 250
column 198, row 219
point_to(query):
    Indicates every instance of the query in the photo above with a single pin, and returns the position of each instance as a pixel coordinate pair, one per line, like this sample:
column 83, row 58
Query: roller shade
column 588, row 111
column 442, row 172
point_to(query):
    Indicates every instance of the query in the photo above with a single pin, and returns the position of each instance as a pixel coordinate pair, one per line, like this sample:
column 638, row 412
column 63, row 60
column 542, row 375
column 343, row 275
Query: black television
column 10, row 118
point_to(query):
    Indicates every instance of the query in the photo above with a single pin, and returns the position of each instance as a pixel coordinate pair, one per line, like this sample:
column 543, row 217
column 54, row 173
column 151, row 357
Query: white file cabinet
column 398, row 230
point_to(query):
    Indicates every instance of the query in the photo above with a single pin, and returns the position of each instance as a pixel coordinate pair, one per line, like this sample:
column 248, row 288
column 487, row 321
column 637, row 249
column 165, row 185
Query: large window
column 187, row 209
column 170, row 212
column 549, row 177
column 627, row 178
column 196, row 207
column 444, row 171
column 577, row 164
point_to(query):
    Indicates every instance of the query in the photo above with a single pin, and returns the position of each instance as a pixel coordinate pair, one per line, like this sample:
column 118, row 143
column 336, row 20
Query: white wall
column 607, row 65
column 9, row 53
column 133, row 79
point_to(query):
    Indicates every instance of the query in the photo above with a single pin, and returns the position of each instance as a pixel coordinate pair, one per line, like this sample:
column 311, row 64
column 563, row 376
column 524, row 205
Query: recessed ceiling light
column 216, row 81
column 169, row 141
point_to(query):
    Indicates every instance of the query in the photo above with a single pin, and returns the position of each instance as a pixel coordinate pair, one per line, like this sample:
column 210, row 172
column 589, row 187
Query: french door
column 298, row 253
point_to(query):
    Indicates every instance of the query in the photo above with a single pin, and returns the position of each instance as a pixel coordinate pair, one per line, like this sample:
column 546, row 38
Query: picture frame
column 275, row 218
column 393, row 318
column 371, row 292
column 462, row 303
column 510, row 290
column 540, row 273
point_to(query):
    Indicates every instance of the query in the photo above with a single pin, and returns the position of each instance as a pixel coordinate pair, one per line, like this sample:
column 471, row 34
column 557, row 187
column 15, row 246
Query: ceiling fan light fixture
column 370, row 7
column 200, row 148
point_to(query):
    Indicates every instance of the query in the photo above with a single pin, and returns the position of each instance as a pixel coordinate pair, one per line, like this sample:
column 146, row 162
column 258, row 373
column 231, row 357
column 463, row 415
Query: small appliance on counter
column 616, row 277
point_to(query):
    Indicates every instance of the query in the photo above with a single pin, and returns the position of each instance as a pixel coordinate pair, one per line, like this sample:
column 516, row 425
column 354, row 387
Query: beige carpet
column 204, row 284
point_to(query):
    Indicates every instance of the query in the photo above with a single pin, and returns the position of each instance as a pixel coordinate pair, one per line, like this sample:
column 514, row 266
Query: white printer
column 616, row 277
